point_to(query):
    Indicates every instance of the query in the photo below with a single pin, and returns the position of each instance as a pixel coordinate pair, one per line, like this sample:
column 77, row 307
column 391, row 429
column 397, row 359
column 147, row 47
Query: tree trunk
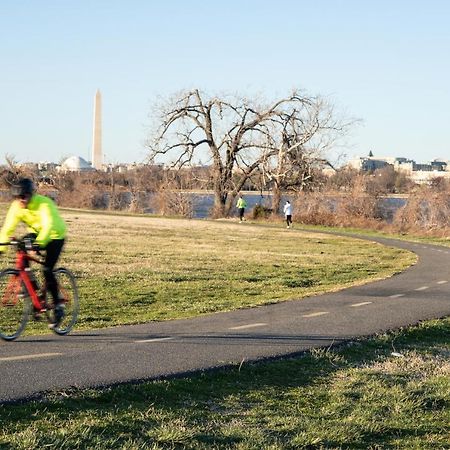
column 220, row 200
column 276, row 199
column 230, row 204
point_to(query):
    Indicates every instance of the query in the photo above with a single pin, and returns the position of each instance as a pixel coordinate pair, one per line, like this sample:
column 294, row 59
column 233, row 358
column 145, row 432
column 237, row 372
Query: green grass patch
column 134, row 269
column 358, row 396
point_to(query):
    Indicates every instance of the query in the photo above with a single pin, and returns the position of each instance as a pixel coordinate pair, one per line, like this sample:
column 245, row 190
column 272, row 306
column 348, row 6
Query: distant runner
column 288, row 213
column 241, row 205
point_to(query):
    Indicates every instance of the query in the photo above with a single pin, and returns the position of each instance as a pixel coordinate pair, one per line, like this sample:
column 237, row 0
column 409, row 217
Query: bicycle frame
column 22, row 259
column 19, row 289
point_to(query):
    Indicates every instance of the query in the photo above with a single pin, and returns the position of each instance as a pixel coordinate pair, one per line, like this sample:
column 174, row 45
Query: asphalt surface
column 33, row 365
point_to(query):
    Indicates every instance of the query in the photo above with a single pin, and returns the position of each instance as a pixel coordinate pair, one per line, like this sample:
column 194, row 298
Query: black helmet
column 23, row 188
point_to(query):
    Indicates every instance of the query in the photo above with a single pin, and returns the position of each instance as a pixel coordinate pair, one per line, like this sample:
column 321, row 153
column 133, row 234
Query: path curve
column 34, row 365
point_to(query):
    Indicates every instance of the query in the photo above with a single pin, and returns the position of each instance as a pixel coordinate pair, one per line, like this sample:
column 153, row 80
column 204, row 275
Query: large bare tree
column 236, row 135
column 303, row 135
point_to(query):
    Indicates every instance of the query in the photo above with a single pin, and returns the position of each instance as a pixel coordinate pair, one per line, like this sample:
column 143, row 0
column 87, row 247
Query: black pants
column 241, row 213
column 53, row 250
column 288, row 220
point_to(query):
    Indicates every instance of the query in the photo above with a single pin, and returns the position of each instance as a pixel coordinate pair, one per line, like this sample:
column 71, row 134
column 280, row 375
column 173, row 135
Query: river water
column 203, row 204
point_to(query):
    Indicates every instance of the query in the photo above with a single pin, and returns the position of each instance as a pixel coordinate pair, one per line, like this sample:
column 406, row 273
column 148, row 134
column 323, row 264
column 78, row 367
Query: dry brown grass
column 426, row 213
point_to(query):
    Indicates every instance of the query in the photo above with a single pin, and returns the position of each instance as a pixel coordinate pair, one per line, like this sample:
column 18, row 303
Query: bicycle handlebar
column 23, row 244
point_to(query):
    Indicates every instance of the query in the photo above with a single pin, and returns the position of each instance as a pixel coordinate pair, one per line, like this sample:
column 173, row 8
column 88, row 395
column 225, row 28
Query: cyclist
column 45, row 226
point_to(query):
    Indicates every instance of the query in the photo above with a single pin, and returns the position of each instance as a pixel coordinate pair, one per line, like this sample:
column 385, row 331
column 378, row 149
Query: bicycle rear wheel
column 15, row 305
column 69, row 293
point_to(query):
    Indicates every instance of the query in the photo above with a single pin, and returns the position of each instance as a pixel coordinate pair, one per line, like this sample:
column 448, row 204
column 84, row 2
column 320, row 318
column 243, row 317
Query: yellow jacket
column 42, row 217
column 241, row 203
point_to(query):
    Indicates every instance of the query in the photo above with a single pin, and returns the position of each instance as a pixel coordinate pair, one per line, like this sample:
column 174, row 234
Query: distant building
column 417, row 172
column 371, row 163
column 45, row 166
column 75, row 164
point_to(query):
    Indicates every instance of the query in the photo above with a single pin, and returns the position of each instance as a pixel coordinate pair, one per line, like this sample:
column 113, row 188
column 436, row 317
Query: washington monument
column 97, row 154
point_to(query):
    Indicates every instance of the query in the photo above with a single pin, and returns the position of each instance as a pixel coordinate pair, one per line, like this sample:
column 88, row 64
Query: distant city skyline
column 384, row 62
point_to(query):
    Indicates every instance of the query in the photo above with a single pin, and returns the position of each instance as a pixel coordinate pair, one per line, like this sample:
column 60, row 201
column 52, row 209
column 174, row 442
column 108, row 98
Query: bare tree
column 10, row 172
column 238, row 136
column 302, row 135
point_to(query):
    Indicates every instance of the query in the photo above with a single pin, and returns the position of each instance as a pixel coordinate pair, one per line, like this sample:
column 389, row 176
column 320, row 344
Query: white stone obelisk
column 97, row 154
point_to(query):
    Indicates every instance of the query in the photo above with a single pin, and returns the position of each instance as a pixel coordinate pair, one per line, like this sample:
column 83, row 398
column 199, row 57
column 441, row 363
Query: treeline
column 136, row 190
column 131, row 189
column 345, row 198
column 361, row 202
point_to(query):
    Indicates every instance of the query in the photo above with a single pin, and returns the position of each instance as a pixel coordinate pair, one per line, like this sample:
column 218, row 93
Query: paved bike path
column 33, row 365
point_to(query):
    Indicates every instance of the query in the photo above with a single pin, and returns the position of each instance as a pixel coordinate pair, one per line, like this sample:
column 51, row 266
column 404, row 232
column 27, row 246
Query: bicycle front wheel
column 15, row 305
column 69, row 293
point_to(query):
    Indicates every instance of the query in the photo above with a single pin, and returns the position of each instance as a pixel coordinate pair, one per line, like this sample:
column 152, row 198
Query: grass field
column 358, row 397
column 135, row 269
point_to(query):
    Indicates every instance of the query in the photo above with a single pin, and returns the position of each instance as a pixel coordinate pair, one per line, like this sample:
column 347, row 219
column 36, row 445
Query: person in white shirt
column 288, row 213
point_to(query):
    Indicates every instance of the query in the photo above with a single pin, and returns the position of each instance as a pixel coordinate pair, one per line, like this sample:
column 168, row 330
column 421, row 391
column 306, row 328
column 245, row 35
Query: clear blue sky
column 385, row 62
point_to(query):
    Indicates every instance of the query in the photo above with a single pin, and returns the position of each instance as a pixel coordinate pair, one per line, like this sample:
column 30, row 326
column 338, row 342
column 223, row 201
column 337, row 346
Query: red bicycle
column 20, row 296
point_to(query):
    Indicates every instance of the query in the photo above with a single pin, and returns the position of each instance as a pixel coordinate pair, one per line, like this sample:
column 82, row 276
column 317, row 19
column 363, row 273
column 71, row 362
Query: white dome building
column 75, row 164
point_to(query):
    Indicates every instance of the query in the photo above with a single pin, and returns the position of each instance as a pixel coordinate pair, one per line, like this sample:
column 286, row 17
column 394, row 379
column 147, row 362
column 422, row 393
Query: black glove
column 28, row 243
